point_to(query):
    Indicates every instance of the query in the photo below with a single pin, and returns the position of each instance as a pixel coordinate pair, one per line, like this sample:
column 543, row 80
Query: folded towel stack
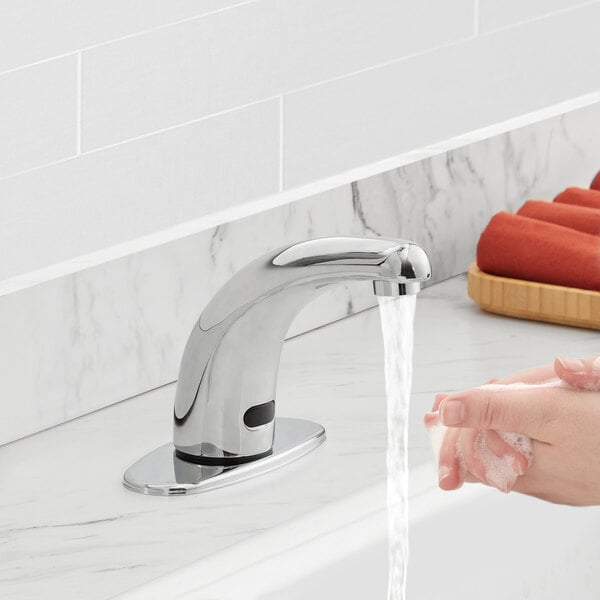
column 596, row 183
column 524, row 248
column 547, row 242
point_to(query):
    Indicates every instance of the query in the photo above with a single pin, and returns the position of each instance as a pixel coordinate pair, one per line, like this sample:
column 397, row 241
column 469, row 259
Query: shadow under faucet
column 225, row 428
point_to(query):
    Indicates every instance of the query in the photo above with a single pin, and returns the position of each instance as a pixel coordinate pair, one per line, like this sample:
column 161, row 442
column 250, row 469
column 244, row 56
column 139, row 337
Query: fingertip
column 443, row 473
column 571, row 365
column 438, row 400
column 446, row 484
column 452, row 412
column 448, row 479
column 579, row 374
column 559, row 369
column 449, row 473
column 431, row 419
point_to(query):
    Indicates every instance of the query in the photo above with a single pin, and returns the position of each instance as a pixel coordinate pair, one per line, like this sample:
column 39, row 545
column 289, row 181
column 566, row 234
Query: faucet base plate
column 162, row 473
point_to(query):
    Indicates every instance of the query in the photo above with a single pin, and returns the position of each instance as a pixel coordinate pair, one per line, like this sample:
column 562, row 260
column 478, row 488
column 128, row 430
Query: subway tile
column 493, row 14
column 255, row 51
column 34, row 30
column 412, row 103
column 114, row 195
column 38, row 115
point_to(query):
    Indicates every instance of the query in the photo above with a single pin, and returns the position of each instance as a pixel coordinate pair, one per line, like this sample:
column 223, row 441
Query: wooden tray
column 536, row 301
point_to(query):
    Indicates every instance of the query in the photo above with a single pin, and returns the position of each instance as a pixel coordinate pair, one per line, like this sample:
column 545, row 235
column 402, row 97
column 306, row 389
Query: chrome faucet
column 225, row 428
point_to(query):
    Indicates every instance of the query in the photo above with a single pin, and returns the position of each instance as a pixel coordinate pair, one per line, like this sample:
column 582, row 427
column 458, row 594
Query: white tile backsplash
column 112, row 195
column 37, row 115
column 264, row 48
column 34, row 30
column 358, row 83
column 418, row 101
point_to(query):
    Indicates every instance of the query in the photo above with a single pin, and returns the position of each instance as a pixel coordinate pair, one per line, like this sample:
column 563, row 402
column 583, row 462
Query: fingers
column 534, row 375
column 468, row 441
column 444, row 444
column 476, row 455
column 504, row 451
column 529, row 411
column 582, row 374
column 491, row 460
column 451, row 471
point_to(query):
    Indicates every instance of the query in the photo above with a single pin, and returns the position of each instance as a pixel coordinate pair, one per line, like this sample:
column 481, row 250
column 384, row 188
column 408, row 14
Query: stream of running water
column 397, row 317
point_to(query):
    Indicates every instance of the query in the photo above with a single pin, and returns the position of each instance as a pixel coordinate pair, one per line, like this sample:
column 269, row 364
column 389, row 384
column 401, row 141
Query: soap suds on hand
column 500, row 471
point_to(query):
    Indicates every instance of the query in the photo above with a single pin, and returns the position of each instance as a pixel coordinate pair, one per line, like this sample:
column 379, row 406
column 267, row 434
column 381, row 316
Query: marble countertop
column 70, row 530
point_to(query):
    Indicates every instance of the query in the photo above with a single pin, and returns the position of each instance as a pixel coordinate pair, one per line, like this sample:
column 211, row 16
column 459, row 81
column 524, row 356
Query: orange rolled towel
column 576, row 217
column 579, row 196
column 524, row 248
column 596, row 182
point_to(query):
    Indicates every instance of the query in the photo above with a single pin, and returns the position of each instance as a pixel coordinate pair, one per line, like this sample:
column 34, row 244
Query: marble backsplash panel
column 76, row 343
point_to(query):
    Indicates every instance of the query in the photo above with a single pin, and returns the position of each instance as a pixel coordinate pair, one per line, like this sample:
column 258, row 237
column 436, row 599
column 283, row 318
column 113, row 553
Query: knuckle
column 489, row 412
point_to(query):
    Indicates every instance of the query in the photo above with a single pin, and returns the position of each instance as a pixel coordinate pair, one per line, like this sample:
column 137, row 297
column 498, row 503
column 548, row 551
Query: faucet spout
column 225, row 399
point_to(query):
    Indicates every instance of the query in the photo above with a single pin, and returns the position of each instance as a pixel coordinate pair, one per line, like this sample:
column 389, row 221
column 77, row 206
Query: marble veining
column 69, row 530
column 76, row 343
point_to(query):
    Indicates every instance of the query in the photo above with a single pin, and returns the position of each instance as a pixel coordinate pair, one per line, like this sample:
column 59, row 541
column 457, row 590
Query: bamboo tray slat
column 535, row 301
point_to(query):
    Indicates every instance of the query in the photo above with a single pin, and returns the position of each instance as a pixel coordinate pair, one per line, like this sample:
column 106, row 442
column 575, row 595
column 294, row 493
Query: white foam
column 437, row 432
column 500, row 471
column 519, row 385
column 520, row 442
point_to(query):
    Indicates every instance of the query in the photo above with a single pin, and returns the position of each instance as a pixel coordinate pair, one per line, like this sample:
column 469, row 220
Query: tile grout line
column 382, row 65
column 184, row 124
column 270, row 98
column 583, row 4
column 350, row 74
column 223, row 112
column 142, row 136
column 39, row 62
column 281, row 143
column 579, row 102
column 289, row 92
column 572, row 104
column 39, row 167
column 128, row 36
column 431, row 50
column 549, row 15
column 79, row 96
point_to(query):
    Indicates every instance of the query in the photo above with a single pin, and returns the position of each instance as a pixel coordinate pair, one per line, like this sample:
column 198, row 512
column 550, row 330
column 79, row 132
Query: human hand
column 468, row 446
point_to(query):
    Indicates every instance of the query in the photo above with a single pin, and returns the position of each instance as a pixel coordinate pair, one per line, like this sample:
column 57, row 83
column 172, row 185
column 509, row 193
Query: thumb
column 583, row 374
column 530, row 411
